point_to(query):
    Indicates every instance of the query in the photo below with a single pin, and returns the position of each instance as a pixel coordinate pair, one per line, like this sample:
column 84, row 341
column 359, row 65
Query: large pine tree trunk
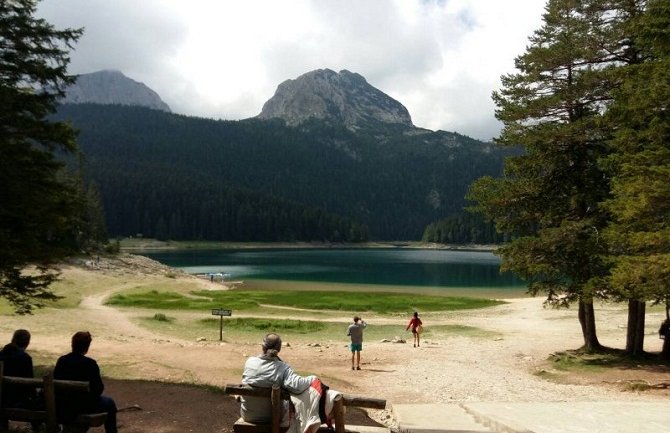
column 587, row 319
column 635, row 331
column 665, row 353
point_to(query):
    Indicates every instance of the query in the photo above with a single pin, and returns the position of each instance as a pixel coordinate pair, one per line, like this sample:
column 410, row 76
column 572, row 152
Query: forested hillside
column 466, row 228
column 180, row 177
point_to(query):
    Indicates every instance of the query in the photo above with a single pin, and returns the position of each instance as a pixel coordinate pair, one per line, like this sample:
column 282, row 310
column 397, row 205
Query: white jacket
column 264, row 372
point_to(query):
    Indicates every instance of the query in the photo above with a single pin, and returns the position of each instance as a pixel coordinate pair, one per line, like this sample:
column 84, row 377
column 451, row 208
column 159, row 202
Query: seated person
column 264, row 371
column 18, row 363
column 77, row 366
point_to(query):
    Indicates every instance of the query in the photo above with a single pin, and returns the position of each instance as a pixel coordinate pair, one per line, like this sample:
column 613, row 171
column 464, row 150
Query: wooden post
column 338, row 407
column 277, row 412
column 50, row 402
column 221, row 312
column 221, row 328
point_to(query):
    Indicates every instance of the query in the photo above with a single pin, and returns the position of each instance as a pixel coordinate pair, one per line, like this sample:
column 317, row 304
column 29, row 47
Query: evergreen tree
column 90, row 229
column 394, row 184
column 640, row 165
column 462, row 229
column 548, row 198
column 38, row 204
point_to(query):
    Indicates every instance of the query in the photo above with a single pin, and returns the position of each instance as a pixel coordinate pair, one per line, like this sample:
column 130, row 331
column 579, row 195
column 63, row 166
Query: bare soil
column 172, row 408
column 509, row 363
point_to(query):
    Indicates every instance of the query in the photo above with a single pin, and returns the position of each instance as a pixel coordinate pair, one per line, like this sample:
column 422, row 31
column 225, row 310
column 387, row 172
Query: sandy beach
column 501, row 366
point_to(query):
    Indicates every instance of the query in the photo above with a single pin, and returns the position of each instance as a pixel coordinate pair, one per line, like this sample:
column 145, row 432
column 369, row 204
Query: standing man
column 355, row 331
column 77, row 366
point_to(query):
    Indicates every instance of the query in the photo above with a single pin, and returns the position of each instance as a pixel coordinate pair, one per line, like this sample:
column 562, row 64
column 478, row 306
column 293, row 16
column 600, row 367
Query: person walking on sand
column 415, row 323
column 355, row 331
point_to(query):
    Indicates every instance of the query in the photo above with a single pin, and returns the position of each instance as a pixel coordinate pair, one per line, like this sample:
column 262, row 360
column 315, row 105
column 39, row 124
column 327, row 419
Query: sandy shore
column 500, row 367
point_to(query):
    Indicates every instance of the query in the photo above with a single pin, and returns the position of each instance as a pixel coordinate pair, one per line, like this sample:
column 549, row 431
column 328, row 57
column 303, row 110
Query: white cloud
column 224, row 59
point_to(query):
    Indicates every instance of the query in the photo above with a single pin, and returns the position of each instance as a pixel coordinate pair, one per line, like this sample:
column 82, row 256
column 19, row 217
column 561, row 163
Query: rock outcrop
column 112, row 88
column 343, row 97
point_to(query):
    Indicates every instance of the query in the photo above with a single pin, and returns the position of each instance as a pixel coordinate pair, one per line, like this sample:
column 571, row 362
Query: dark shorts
column 356, row 347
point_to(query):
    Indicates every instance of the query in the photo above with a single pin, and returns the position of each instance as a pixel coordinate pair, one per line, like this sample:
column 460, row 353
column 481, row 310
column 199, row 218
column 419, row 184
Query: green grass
column 571, row 361
column 576, row 360
column 381, row 303
column 162, row 317
column 75, row 289
column 281, row 326
column 313, row 331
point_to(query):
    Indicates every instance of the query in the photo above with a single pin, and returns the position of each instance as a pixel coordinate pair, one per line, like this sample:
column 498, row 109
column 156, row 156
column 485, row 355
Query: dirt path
column 458, row 368
column 497, row 367
column 94, row 305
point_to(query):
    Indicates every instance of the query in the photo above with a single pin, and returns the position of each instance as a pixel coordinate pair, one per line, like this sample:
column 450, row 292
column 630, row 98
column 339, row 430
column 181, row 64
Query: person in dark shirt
column 17, row 363
column 77, row 366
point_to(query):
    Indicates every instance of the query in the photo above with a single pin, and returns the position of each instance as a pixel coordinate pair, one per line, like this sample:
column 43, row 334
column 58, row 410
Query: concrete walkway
column 433, row 418
column 557, row 417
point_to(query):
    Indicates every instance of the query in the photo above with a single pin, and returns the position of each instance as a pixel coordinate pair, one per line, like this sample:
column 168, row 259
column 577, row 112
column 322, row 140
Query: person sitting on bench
column 18, row 364
column 264, row 371
column 77, row 366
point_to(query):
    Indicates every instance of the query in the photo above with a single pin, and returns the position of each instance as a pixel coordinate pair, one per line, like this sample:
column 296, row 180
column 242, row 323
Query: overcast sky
column 223, row 59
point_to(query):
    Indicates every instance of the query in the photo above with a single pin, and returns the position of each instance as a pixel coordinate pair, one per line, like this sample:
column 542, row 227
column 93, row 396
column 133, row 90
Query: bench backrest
column 48, row 385
column 348, row 400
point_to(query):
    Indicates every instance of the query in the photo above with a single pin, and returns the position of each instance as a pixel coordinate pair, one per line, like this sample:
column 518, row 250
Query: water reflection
column 409, row 267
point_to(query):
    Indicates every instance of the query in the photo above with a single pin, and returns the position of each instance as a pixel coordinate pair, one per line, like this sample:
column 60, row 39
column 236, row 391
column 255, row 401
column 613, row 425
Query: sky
column 223, row 59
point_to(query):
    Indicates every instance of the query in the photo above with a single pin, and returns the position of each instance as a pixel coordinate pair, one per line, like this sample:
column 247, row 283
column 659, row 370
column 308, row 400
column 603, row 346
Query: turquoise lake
column 384, row 267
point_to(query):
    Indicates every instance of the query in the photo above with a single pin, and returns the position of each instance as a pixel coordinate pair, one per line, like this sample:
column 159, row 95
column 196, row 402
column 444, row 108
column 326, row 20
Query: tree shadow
column 377, row 370
column 610, row 358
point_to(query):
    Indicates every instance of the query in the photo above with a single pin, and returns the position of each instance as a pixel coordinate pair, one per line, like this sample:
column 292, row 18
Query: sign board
column 221, row 312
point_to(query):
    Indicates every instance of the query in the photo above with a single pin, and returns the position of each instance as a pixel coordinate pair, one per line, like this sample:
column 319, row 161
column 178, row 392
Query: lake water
column 437, row 269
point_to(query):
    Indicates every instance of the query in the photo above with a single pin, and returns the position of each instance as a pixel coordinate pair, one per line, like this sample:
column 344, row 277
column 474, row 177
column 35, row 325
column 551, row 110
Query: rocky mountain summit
column 343, row 97
column 112, row 88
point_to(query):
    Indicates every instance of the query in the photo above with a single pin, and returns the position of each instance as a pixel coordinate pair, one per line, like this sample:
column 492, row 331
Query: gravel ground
column 498, row 366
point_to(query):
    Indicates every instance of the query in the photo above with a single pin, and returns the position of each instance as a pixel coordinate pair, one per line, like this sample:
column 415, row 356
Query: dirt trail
column 496, row 367
column 123, row 326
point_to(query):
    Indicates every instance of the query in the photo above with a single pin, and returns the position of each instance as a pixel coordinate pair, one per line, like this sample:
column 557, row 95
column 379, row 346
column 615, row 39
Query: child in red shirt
column 415, row 324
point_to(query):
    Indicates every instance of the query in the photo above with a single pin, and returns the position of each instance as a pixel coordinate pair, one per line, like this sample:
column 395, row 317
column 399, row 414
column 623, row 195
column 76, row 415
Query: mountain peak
column 345, row 97
column 112, row 87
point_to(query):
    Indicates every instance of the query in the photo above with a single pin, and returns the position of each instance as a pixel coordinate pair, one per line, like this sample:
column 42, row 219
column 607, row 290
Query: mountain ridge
column 394, row 183
column 112, row 87
column 347, row 164
column 344, row 97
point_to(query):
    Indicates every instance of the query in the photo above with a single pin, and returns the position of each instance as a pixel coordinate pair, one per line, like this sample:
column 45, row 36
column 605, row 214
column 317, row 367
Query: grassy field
column 379, row 303
column 248, row 329
column 177, row 314
column 174, row 305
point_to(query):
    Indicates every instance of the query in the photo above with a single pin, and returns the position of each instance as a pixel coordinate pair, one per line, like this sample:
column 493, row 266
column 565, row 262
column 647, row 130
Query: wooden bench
column 276, row 395
column 48, row 414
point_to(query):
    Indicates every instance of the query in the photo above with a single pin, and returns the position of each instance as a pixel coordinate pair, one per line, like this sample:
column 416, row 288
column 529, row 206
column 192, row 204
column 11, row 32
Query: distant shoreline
column 142, row 244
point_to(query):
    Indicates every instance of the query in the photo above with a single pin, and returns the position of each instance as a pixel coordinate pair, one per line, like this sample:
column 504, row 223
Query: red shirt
column 413, row 323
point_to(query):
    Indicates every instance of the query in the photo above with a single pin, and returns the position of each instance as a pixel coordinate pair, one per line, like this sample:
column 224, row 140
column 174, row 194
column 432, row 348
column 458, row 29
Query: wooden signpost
column 221, row 313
